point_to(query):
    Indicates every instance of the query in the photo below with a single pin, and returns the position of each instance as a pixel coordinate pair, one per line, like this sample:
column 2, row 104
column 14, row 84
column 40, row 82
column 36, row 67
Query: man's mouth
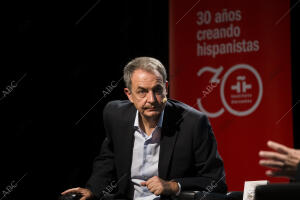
column 152, row 108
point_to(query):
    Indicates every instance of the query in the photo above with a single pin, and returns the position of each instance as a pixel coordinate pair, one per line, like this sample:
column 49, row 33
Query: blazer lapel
column 128, row 139
column 167, row 142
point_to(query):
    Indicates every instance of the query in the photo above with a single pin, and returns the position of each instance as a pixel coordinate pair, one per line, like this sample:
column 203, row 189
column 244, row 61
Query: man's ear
column 128, row 94
column 167, row 87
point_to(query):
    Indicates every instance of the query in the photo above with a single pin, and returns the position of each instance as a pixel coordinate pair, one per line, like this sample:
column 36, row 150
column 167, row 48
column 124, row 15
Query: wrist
column 174, row 188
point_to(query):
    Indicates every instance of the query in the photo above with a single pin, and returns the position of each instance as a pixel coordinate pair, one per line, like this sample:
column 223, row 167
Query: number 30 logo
column 242, row 84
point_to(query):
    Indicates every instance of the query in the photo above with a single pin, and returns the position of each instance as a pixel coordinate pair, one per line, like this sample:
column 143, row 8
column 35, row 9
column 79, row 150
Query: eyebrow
column 141, row 88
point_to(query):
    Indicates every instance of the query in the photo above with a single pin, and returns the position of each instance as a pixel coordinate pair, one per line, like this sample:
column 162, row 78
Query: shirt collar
column 159, row 124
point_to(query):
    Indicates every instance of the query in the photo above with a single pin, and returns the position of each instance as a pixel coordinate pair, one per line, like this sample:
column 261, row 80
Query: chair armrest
column 203, row 195
column 187, row 195
column 235, row 195
column 70, row 196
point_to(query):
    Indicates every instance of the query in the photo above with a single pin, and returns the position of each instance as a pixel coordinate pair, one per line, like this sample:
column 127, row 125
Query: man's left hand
column 159, row 186
column 283, row 162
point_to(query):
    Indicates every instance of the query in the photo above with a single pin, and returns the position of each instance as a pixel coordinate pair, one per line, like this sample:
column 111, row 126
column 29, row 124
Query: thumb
column 70, row 190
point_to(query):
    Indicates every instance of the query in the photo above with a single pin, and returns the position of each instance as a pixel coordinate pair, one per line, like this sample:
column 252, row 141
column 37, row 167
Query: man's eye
column 158, row 90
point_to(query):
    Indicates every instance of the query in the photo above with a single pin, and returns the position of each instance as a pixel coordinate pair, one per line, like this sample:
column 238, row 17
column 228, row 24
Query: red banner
column 231, row 60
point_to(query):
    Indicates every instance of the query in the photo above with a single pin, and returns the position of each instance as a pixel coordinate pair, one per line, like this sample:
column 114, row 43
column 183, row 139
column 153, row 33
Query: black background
column 68, row 53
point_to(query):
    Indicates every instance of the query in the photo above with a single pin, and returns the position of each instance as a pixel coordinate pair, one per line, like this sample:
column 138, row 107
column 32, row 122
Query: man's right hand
column 86, row 193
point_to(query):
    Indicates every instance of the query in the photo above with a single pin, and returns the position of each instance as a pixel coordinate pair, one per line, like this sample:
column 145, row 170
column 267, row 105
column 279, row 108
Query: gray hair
column 146, row 63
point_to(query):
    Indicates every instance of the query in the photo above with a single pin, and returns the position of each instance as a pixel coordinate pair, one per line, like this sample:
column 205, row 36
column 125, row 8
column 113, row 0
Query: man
column 284, row 162
column 154, row 147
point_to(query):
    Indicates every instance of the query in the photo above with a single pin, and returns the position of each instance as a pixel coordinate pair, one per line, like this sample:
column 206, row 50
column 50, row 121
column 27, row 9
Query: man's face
column 147, row 92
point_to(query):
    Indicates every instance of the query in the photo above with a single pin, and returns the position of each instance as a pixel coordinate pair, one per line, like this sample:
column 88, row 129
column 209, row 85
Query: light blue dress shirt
column 145, row 158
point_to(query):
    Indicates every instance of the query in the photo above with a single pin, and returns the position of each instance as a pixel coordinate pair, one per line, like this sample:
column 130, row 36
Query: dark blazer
column 188, row 150
column 297, row 177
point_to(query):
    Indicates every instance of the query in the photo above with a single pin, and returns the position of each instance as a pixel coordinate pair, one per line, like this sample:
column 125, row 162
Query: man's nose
column 151, row 97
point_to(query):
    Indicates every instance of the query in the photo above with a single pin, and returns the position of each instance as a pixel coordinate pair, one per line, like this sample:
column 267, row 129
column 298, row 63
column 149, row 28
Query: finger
column 272, row 155
column 278, row 147
column 143, row 183
column 277, row 173
column 150, row 180
column 71, row 190
column 271, row 163
column 151, row 185
column 154, row 190
column 270, row 173
column 158, row 192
